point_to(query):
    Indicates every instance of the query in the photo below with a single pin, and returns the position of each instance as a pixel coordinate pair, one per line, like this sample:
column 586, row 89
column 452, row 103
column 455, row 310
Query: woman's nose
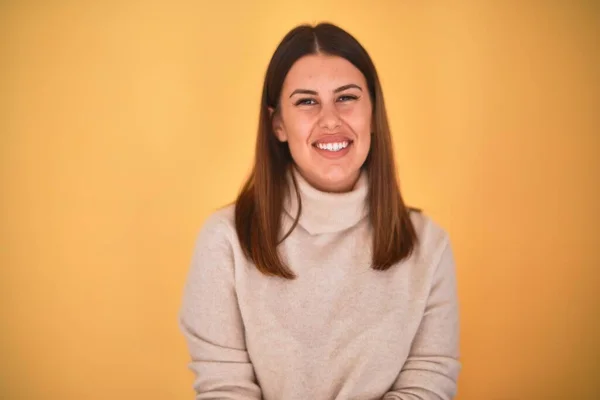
column 330, row 118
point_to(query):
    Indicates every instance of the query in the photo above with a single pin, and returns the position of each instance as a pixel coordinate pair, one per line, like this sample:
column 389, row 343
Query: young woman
column 319, row 282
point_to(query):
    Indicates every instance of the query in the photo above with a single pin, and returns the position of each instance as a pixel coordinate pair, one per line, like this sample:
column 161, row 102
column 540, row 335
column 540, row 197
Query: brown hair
column 259, row 205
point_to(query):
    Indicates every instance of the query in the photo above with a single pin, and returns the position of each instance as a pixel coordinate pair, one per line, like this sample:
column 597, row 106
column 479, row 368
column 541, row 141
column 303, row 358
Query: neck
column 326, row 212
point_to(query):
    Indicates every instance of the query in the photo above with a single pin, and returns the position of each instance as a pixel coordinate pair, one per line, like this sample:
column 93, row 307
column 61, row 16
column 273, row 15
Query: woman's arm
column 211, row 322
column 432, row 367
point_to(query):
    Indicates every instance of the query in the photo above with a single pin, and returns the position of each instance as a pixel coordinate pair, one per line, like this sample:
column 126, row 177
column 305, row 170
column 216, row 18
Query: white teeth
column 333, row 146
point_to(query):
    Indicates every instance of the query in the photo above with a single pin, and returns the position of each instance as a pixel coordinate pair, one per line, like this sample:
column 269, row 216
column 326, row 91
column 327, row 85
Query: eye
column 347, row 97
column 306, row 102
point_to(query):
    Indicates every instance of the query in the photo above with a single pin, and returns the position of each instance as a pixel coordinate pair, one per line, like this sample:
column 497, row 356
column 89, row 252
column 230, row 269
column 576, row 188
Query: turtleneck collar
column 324, row 212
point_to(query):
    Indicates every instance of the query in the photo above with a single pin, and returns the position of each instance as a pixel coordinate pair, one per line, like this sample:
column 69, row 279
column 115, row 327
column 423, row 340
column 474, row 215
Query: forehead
column 319, row 71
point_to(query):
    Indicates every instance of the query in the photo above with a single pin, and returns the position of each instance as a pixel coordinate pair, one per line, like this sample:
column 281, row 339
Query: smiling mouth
column 333, row 146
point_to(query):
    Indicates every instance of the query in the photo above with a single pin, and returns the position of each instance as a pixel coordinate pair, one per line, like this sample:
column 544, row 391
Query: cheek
column 299, row 128
column 360, row 122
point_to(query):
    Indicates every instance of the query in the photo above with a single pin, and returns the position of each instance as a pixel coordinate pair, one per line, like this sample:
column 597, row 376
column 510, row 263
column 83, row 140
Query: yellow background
column 124, row 124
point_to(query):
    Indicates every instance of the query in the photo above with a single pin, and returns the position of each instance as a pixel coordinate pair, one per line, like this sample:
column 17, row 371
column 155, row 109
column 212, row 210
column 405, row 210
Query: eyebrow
column 340, row 89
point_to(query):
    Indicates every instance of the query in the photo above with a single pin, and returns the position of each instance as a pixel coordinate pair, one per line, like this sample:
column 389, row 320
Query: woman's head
column 319, row 96
column 322, row 110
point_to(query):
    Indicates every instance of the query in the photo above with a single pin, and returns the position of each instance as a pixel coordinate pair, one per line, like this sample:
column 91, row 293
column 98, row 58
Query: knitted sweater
column 340, row 330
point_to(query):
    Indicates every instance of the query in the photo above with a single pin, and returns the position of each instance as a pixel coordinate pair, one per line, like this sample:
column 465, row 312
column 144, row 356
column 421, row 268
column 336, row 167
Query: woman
column 319, row 283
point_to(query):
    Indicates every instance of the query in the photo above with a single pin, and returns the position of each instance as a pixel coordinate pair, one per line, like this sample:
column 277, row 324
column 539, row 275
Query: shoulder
column 213, row 256
column 432, row 238
column 218, row 227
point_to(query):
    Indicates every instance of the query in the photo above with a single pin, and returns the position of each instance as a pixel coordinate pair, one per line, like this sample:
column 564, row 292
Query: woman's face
column 325, row 116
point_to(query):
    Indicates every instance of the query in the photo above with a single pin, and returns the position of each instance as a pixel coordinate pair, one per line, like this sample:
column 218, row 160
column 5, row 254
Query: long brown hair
column 259, row 205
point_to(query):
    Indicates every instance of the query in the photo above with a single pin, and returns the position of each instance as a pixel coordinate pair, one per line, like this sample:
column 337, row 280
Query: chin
column 339, row 180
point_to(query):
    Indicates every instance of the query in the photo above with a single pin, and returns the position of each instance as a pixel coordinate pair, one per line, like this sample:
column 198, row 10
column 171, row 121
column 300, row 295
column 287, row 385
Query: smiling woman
column 319, row 282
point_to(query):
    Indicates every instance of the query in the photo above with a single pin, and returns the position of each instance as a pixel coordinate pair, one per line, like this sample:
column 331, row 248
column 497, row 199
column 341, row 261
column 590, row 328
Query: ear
column 277, row 125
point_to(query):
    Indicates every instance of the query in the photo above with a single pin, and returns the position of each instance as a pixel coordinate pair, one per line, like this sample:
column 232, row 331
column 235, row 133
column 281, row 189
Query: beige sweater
column 340, row 330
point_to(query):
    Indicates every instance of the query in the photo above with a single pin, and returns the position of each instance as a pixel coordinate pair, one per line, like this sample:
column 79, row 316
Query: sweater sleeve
column 211, row 322
column 431, row 369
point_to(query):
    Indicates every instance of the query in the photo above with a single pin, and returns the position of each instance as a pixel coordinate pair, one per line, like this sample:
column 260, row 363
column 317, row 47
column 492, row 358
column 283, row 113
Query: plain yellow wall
column 124, row 124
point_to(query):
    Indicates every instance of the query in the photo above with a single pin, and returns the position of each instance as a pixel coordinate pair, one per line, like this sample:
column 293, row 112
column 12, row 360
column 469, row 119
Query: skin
column 325, row 99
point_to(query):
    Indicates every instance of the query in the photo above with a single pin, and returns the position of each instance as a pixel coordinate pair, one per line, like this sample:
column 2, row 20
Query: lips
column 338, row 138
column 333, row 146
